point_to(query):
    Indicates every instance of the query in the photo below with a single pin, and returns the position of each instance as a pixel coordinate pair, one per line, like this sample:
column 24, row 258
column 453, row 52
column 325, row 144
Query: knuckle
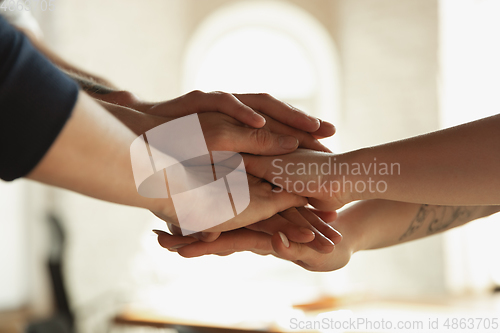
column 265, row 95
column 196, row 93
column 262, row 137
column 240, row 107
column 222, row 95
column 125, row 96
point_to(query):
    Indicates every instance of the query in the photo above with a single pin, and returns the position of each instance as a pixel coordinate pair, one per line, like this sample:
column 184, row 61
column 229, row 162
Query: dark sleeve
column 36, row 100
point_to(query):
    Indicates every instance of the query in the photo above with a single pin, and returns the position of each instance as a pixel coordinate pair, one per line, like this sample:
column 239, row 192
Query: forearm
column 455, row 166
column 136, row 121
column 92, row 156
column 382, row 223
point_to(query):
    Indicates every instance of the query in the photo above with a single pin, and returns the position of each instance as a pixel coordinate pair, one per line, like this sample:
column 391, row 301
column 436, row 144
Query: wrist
column 356, row 172
column 351, row 223
column 342, row 178
column 135, row 120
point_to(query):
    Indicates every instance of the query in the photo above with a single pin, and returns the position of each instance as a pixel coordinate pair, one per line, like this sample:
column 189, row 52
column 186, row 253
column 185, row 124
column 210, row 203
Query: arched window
column 258, row 46
column 264, row 46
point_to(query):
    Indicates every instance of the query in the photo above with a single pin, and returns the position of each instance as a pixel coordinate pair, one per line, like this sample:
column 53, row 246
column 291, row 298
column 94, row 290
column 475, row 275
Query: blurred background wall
column 378, row 82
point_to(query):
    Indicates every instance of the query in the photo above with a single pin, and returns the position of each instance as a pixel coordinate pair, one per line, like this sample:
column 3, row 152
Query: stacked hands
column 294, row 194
column 276, row 222
column 446, row 178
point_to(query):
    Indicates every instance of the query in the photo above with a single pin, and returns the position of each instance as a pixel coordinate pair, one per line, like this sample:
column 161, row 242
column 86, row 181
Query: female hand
column 262, row 239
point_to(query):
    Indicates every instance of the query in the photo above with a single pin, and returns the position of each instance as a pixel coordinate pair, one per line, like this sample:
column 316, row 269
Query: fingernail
column 178, row 246
column 158, row 232
column 330, row 126
column 284, row 239
column 326, row 241
column 339, row 235
column 306, row 231
column 205, row 235
column 313, row 120
column 288, row 142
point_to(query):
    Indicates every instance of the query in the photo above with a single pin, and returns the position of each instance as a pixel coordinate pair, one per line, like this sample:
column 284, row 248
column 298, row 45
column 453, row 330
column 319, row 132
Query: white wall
column 13, row 242
column 470, row 85
column 388, row 51
column 389, row 56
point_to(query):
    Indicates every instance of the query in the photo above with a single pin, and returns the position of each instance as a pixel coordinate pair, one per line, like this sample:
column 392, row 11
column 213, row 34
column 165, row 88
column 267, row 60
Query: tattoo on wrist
column 439, row 218
column 417, row 221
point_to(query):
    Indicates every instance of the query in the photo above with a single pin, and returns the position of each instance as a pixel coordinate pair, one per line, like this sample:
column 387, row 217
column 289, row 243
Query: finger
column 287, row 250
column 206, row 236
column 203, row 236
column 299, row 254
column 172, row 242
column 306, row 140
column 315, row 145
column 224, row 254
column 231, row 241
column 284, row 200
column 264, row 203
column 175, row 230
column 325, row 130
column 280, row 111
column 324, row 228
column 321, row 243
column 230, row 105
column 269, row 169
column 325, row 205
column 261, row 141
column 197, row 101
column 327, row 216
column 294, row 232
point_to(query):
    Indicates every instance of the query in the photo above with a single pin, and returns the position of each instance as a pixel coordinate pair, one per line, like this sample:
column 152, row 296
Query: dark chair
column 63, row 320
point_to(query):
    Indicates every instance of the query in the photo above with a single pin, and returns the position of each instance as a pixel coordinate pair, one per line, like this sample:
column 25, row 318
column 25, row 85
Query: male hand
column 264, row 203
column 225, row 133
column 249, row 109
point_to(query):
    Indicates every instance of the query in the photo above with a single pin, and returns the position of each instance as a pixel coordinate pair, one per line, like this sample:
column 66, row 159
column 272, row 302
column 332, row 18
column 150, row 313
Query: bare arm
column 92, row 156
column 383, row 223
column 455, row 166
column 366, row 225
